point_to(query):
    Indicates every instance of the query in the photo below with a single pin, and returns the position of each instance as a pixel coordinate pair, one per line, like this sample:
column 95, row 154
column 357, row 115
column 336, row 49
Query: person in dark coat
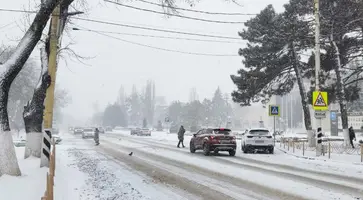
column 97, row 136
column 181, row 136
column 352, row 136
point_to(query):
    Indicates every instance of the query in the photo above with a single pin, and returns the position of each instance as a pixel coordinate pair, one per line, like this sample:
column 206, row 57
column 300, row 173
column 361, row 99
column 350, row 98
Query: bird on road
column 130, row 154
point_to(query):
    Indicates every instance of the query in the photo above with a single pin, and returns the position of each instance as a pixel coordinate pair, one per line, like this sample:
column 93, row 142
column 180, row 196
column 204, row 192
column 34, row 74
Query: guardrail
column 49, row 191
column 329, row 146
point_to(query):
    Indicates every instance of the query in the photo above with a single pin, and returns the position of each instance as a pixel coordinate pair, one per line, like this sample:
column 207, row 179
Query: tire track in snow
column 253, row 190
column 324, row 181
column 160, row 173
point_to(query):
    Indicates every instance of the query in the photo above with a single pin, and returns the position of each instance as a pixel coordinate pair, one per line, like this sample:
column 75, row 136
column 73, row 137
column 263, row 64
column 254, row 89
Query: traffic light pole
column 49, row 99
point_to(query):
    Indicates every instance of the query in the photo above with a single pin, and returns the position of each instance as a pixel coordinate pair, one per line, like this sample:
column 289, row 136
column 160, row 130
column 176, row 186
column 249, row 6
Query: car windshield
column 259, row 132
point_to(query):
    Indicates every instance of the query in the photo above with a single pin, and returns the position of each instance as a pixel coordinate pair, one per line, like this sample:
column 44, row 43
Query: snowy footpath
column 82, row 173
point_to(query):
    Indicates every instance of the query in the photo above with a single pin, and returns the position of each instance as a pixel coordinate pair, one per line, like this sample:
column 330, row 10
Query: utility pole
column 317, row 65
column 49, row 99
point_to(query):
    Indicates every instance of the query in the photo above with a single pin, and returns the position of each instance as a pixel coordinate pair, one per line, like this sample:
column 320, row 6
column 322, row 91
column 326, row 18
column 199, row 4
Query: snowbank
column 31, row 185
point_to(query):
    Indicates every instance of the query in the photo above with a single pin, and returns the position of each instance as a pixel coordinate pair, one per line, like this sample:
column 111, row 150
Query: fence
column 49, row 191
column 329, row 146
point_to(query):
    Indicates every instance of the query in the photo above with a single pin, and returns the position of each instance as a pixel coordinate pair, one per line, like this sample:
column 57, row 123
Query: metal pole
column 274, row 129
column 317, row 62
column 49, row 100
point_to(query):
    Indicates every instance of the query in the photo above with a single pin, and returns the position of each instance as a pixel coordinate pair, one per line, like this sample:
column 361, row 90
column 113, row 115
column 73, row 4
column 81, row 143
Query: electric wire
column 175, row 15
column 165, row 49
column 196, row 11
column 156, row 36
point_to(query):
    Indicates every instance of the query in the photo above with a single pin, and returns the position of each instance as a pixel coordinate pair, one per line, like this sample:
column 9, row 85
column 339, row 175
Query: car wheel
column 272, row 150
column 232, row 152
column 206, row 149
column 191, row 147
column 245, row 150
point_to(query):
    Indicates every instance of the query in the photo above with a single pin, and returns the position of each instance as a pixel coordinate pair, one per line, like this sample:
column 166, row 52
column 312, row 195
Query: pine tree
column 272, row 58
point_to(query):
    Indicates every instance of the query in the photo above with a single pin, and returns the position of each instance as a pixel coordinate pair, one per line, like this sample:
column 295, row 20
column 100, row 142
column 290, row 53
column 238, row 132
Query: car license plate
column 259, row 141
column 224, row 141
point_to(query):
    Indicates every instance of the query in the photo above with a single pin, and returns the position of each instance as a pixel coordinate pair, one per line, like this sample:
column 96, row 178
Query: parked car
column 144, row 132
column 70, row 129
column 101, row 129
column 19, row 143
column 55, row 131
column 174, row 128
column 135, row 131
column 259, row 139
column 56, row 138
column 213, row 140
column 77, row 130
column 88, row 133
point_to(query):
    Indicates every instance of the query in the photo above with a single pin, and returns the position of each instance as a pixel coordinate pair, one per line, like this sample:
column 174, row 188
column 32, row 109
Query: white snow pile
column 30, row 185
column 105, row 180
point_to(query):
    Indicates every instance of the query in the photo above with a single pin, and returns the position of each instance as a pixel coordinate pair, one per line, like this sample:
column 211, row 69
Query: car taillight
column 211, row 137
column 249, row 136
column 269, row 136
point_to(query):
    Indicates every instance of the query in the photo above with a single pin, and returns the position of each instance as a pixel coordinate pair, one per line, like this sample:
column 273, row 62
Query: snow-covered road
column 224, row 177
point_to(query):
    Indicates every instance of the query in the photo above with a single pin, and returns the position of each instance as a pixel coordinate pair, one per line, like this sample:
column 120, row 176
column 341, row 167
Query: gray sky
column 117, row 63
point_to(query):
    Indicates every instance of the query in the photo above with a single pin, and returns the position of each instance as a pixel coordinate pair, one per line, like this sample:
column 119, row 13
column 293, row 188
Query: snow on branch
column 22, row 52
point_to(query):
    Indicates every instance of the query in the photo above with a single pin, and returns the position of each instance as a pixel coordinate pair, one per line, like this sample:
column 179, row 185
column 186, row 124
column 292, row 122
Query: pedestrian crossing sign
column 273, row 110
column 320, row 100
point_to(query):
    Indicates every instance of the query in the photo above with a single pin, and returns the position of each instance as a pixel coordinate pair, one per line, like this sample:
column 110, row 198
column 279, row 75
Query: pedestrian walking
column 181, row 136
column 97, row 136
column 352, row 136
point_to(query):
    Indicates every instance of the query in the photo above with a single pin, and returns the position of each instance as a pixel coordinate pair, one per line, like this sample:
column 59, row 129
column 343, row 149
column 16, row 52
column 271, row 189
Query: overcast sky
column 114, row 62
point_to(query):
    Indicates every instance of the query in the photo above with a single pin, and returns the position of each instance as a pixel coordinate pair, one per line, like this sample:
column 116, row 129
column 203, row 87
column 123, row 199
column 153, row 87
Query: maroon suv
column 213, row 140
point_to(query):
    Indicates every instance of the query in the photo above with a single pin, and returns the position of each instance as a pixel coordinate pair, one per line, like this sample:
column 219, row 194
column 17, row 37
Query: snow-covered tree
column 9, row 70
column 33, row 110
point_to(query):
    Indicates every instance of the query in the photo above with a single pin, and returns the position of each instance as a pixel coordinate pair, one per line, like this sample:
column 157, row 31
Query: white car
column 56, row 139
column 88, row 133
column 257, row 139
column 144, row 132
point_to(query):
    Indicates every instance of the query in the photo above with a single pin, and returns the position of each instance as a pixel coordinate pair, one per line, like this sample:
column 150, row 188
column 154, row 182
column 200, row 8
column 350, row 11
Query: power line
column 134, row 26
column 196, row 11
column 165, row 49
column 175, row 15
column 155, row 36
column 155, row 29
column 19, row 11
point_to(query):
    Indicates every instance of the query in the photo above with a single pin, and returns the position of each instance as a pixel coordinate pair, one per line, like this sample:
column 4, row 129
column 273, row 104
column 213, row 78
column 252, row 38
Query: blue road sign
column 333, row 115
column 274, row 110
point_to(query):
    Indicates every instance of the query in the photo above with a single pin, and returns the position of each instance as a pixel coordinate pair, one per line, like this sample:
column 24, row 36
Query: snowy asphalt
column 212, row 177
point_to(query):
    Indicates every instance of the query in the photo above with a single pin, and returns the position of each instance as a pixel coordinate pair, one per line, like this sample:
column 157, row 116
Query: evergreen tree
column 144, row 123
column 114, row 116
column 273, row 59
column 159, row 126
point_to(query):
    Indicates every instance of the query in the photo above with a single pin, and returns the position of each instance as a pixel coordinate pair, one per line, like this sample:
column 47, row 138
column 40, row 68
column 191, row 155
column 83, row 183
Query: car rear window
column 259, row 132
column 219, row 131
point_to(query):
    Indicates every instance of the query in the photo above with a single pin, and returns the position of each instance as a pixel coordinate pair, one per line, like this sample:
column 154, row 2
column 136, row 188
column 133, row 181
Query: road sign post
column 274, row 110
column 320, row 106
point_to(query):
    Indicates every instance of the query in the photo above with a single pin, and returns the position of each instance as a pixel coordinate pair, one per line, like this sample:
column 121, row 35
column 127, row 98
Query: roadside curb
column 312, row 158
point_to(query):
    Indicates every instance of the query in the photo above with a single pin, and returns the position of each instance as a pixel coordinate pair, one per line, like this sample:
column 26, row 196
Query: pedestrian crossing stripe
column 319, row 101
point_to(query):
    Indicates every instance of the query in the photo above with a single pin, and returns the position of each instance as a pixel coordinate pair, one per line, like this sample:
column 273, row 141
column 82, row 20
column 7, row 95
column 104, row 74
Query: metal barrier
column 49, row 191
column 329, row 146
